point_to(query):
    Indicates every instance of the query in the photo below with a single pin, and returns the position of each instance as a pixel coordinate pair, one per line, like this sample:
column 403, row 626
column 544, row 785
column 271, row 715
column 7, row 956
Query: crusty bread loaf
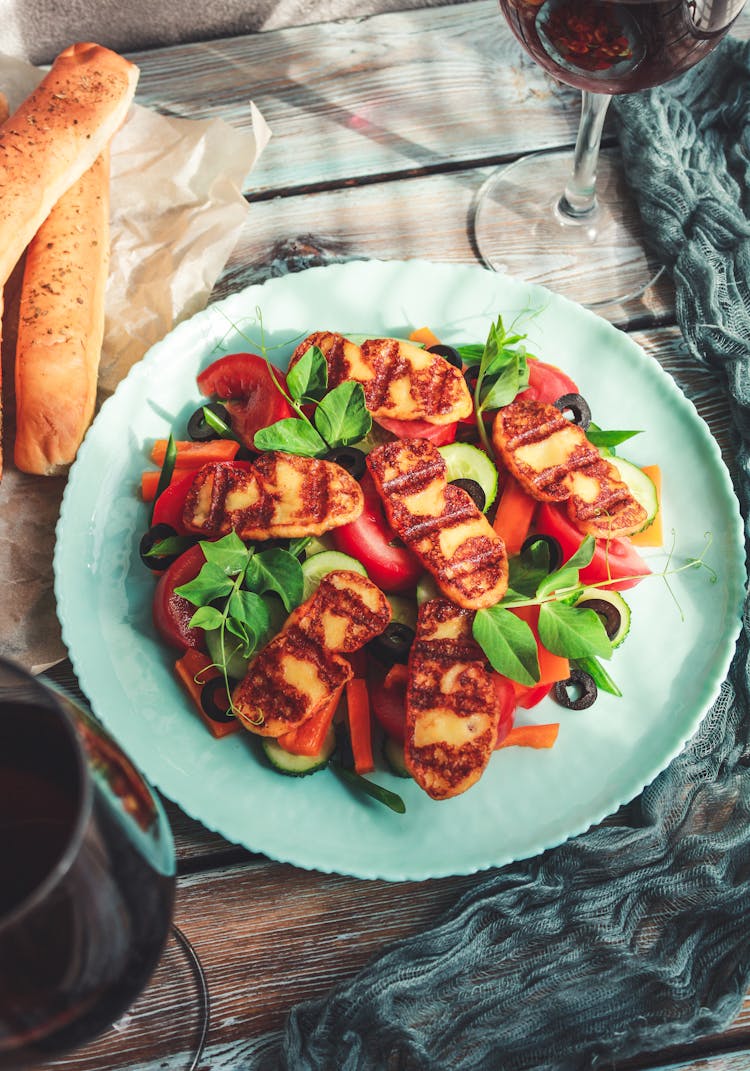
column 55, row 136
column 61, row 325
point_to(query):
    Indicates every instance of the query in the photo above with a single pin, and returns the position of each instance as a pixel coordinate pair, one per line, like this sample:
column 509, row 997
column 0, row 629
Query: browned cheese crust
column 554, row 462
column 55, row 136
column 282, row 496
column 401, row 381
column 303, row 665
column 440, row 523
column 451, row 710
column 61, row 325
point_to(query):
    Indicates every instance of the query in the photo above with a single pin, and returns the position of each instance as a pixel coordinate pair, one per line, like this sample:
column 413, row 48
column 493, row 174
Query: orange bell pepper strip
column 552, row 667
column 653, row 536
column 425, row 336
column 308, row 738
column 538, row 736
column 150, row 480
column 360, row 726
column 515, row 512
column 195, row 669
column 196, row 453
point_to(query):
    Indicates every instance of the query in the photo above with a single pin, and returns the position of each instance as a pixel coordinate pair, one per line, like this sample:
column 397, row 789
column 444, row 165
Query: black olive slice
column 578, row 406
column 451, row 355
column 199, row 430
column 350, row 458
column 555, row 550
column 471, row 375
column 215, row 701
column 578, row 692
column 157, row 534
column 474, row 490
column 394, row 643
column 610, row 616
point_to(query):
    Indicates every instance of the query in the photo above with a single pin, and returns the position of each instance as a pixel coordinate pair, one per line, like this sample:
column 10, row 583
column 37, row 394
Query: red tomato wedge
column 371, row 539
column 244, row 384
column 439, row 434
column 506, row 706
column 547, row 383
column 171, row 612
column 614, row 559
column 388, row 701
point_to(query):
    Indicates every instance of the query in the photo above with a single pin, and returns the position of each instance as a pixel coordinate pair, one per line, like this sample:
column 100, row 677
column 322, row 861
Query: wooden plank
column 425, row 218
column 386, row 95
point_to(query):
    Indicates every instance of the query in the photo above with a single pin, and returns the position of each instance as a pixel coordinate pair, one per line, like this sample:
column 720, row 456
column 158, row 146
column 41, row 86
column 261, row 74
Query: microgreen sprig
column 502, row 372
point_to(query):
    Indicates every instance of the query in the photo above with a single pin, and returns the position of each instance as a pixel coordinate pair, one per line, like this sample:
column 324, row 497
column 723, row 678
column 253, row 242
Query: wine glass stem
column 578, row 202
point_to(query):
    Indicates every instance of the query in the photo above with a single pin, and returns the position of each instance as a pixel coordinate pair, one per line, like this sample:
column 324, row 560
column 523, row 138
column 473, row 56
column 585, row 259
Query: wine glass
column 88, row 874
column 572, row 225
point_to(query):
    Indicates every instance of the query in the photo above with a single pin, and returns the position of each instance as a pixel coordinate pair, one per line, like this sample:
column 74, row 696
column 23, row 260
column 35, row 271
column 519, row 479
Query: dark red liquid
column 85, row 895
column 619, row 47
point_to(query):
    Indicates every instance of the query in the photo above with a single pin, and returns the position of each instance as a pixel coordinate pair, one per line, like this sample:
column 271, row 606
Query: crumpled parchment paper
column 176, row 212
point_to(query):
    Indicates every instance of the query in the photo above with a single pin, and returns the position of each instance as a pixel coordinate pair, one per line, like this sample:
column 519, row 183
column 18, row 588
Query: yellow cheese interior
column 334, row 630
column 429, row 502
column 243, row 496
column 287, row 490
column 552, row 451
column 202, row 504
column 587, row 488
column 358, row 367
column 443, row 726
column 303, row 676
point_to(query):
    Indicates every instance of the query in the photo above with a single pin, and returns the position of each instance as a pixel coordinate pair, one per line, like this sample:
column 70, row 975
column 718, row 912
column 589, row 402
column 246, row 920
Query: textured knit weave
column 633, row 936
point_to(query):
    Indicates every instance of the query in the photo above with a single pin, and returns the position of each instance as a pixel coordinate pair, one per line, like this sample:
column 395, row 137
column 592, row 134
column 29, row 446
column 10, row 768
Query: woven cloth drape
column 633, row 936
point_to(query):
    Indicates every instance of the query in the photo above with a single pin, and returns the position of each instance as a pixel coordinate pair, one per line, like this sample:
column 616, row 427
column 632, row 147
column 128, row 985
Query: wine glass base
column 519, row 230
column 166, row 1026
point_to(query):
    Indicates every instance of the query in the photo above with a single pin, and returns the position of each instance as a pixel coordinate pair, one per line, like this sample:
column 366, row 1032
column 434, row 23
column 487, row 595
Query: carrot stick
column 308, row 738
column 552, row 667
column 425, row 336
column 192, row 664
column 360, row 729
column 196, row 453
column 653, row 536
column 538, row 736
column 515, row 511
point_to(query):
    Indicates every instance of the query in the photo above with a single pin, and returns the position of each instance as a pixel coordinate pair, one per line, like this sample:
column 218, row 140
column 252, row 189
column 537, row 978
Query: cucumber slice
column 236, row 664
column 318, row 544
column 467, row 462
column 328, row 561
column 298, row 765
column 403, row 611
column 427, row 589
column 393, row 753
column 619, row 608
column 640, row 485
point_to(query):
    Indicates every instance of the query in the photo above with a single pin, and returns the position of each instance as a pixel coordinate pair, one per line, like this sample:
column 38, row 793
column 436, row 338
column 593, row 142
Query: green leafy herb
column 470, row 354
column 503, row 372
column 598, row 674
column 218, row 425
column 572, row 632
column 608, row 439
column 292, row 434
column 278, row 571
column 508, row 643
column 167, row 469
column 342, row 417
column 170, row 545
column 307, row 379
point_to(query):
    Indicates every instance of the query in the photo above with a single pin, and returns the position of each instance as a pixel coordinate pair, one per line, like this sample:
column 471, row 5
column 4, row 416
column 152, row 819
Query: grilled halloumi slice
column 451, row 709
column 554, row 461
column 440, row 523
column 281, row 496
column 401, row 381
column 303, row 666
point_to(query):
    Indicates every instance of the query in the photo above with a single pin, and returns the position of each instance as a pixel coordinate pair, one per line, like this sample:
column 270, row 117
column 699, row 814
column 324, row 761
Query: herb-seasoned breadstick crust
column 61, row 325
column 55, row 137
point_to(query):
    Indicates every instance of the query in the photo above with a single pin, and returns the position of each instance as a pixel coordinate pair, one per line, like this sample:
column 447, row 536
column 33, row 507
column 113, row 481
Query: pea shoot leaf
column 228, row 553
column 206, row 617
column 509, row 644
column 307, row 379
column 247, row 611
column 294, row 435
column 504, row 378
column 608, row 439
column 211, row 583
column 341, row 416
column 278, row 571
column 567, row 576
column 572, row 632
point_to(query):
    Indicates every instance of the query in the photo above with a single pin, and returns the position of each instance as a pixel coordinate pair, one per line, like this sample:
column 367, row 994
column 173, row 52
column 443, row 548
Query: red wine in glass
column 569, row 222
column 88, row 874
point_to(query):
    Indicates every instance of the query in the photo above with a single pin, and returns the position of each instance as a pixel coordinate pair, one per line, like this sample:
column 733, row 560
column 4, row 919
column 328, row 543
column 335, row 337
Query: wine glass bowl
column 569, row 223
column 87, row 896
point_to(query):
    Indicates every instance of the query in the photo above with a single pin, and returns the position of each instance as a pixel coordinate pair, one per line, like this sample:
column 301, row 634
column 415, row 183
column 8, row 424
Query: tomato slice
column 547, row 383
column 388, row 701
column 528, row 697
column 506, row 705
column 171, row 502
column 615, row 559
column 172, row 613
column 371, row 539
column 244, row 384
column 439, row 434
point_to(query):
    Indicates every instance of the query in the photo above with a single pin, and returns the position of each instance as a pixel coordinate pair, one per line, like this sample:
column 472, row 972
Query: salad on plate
column 388, row 552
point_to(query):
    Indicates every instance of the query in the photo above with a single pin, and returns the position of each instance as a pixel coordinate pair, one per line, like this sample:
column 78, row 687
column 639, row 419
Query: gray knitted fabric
column 635, row 935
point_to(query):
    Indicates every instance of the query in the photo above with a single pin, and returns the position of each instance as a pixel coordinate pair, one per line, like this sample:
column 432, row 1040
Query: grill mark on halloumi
column 401, row 381
column 451, row 709
column 282, row 496
column 554, row 462
column 302, row 666
column 440, row 523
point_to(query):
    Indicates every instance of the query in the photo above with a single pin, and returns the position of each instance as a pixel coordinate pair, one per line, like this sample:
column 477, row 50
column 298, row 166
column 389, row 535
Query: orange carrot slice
column 150, row 480
column 538, row 736
column 308, row 738
column 425, row 336
column 515, row 511
column 196, row 453
column 360, row 727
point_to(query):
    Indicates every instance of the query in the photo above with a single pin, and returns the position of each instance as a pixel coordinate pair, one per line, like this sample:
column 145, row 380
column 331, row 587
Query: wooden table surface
column 383, row 130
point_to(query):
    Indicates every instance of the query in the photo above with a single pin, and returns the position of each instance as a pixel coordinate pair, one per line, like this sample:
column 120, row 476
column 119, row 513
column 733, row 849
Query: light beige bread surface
column 61, row 325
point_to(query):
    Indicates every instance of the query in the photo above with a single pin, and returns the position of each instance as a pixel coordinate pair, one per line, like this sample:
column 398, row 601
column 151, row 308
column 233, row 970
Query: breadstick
column 61, row 325
column 55, row 136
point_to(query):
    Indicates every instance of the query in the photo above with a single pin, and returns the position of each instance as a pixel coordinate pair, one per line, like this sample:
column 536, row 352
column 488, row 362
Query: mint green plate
column 670, row 668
